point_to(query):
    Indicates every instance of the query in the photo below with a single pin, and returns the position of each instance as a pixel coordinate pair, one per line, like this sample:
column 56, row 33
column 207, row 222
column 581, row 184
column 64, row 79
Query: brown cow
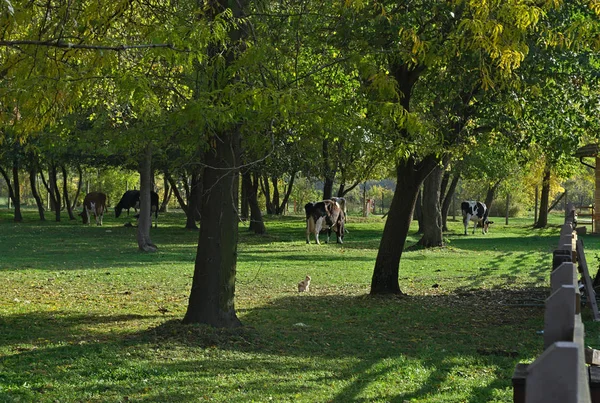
column 93, row 203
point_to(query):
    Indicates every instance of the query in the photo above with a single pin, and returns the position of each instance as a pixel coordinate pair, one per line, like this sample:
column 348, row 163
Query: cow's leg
column 340, row 233
column 318, row 228
column 475, row 225
column 308, row 225
column 465, row 223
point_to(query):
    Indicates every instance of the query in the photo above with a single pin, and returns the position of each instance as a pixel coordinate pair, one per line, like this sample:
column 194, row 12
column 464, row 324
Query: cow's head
column 486, row 224
column 84, row 216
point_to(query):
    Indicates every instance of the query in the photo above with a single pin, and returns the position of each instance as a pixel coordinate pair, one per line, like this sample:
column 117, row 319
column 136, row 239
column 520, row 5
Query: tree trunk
column 257, row 223
column 491, row 194
column 288, row 192
column 193, row 206
column 164, row 207
column 66, row 193
column 266, row 189
column 54, row 192
column 213, row 286
column 432, row 212
column 79, row 185
column 245, row 203
column 448, row 200
column 175, row 190
column 145, row 221
column 410, row 176
column 542, row 220
column 328, row 173
column 13, row 194
column 17, row 192
column 36, row 195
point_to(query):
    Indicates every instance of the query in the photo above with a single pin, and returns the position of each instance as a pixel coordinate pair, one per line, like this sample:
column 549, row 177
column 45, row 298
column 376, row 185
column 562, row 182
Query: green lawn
column 85, row 317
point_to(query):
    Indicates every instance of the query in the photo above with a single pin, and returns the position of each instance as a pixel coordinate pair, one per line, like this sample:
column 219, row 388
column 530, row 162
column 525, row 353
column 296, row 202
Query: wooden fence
column 561, row 374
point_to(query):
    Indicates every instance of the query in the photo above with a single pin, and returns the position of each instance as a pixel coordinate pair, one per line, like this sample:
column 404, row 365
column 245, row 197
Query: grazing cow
column 477, row 212
column 93, row 203
column 325, row 214
column 131, row 199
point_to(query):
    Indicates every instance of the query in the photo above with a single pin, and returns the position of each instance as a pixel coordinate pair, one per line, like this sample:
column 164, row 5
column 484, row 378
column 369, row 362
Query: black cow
column 325, row 214
column 131, row 199
column 477, row 212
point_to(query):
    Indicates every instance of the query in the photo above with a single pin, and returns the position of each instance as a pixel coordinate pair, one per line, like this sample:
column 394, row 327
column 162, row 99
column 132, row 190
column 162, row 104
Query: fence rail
column 560, row 374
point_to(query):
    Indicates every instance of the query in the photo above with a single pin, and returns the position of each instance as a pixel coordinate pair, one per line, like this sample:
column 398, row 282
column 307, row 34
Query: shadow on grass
column 348, row 341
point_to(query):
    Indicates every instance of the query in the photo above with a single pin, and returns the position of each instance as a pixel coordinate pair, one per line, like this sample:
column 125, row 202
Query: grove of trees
column 215, row 96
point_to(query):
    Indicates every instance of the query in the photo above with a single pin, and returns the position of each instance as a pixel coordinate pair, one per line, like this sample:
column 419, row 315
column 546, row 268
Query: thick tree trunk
column 410, row 177
column 448, row 200
column 432, row 212
column 193, row 206
column 213, row 286
column 145, row 221
column 66, row 193
column 257, row 224
column 36, row 195
column 542, row 220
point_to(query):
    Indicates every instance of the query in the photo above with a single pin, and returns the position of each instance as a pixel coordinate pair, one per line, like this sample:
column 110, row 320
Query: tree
column 428, row 33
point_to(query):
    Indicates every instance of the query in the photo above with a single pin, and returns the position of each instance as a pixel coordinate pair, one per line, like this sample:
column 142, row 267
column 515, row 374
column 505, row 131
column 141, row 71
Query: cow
column 342, row 203
column 477, row 212
column 93, row 203
column 131, row 199
column 322, row 215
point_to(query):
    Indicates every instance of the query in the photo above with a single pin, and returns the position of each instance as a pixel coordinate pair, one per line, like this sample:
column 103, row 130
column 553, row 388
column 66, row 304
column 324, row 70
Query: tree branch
column 68, row 45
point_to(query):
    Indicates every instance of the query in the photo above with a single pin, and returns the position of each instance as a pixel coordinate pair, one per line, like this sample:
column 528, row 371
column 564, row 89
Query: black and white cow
column 326, row 214
column 131, row 199
column 477, row 212
column 94, row 203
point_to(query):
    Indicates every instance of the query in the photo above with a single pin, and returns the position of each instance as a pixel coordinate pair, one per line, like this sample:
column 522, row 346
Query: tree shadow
column 374, row 337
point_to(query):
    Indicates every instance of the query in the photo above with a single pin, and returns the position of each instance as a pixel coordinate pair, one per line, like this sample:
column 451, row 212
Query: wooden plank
column 559, row 256
column 566, row 229
column 559, row 315
column 556, row 376
column 564, row 274
column 587, row 281
column 518, row 381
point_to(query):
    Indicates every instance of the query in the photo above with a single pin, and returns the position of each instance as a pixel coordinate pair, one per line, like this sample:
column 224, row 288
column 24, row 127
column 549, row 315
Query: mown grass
column 85, row 317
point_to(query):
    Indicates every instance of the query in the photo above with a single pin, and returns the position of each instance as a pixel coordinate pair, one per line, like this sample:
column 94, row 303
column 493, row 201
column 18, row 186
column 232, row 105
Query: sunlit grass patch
column 85, row 316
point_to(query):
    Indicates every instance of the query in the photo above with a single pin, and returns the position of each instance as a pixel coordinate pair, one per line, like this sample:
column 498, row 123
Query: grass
column 85, row 317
